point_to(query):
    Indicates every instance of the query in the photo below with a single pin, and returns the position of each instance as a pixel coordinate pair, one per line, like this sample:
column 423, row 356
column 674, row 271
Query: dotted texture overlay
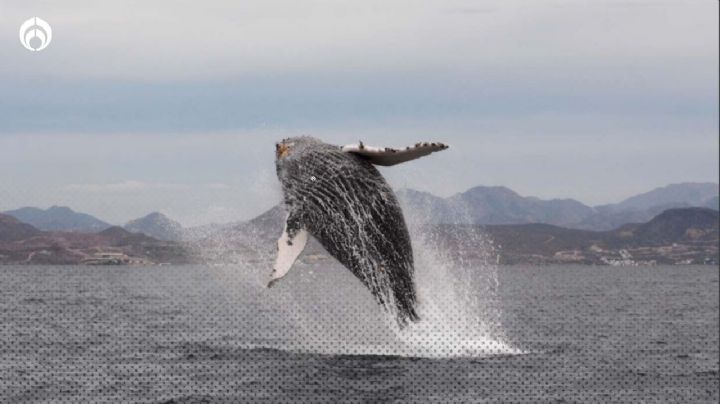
column 215, row 334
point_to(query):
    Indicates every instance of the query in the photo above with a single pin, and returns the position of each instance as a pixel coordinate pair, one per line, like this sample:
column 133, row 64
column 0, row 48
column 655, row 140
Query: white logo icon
column 35, row 34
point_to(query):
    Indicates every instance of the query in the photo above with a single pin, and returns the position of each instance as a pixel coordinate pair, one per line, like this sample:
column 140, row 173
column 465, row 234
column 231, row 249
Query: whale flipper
column 290, row 244
column 387, row 156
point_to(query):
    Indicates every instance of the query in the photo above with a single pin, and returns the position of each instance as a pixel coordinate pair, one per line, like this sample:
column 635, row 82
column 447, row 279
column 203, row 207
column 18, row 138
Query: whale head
column 289, row 151
column 293, row 146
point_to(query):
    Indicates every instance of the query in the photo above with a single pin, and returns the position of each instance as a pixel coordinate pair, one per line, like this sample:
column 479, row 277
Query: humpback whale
column 336, row 195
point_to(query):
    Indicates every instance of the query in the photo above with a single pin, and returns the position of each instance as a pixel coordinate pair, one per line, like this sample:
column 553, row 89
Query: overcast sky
column 175, row 106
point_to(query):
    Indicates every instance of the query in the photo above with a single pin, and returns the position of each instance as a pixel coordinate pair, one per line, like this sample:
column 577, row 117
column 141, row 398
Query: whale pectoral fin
column 290, row 245
column 387, row 156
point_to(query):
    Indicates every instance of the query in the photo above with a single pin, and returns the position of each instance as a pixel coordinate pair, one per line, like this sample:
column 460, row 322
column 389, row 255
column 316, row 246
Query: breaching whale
column 336, row 195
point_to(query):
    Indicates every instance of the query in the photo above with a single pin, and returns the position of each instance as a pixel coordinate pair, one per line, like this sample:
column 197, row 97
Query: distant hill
column 712, row 203
column 688, row 235
column 116, row 235
column 675, row 226
column 73, row 248
column 684, row 194
column 684, row 235
column 492, row 205
column 670, row 224
column 424, row 206
column 645, row 206
column 496, row 205
column 58, row 218
column 12, row 229
column 606, row 217
column 500, row 205
column 158, row 226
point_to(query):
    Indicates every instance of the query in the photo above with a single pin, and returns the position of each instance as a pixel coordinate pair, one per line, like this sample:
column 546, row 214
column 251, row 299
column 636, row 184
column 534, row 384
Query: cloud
column 174, row 67
column 174, row 106
column 217, row 186
column 233, row 40
column 471, row 10
column 124, row 186
column 129, row 186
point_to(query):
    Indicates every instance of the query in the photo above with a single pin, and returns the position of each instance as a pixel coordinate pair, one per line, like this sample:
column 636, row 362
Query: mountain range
column 158, row 226
column 693, row 194
column 676, row 236
column 21, row 243
column 501, row 205
column 680, row 235
column 481, row 205
column 58, row 218
column 12, row 229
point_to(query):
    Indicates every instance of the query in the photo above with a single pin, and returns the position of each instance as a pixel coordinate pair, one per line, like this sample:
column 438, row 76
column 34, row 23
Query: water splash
column 456, row 278
column 321, row 307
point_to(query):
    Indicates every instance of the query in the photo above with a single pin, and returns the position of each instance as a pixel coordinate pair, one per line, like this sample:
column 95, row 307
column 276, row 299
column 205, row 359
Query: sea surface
column 488, row 334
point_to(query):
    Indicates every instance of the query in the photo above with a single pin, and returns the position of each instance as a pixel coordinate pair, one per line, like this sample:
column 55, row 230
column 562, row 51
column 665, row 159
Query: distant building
column 108, row 258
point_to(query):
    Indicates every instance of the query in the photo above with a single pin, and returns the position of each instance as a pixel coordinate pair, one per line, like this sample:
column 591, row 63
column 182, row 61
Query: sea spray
column 456, row 278
column 321, row 307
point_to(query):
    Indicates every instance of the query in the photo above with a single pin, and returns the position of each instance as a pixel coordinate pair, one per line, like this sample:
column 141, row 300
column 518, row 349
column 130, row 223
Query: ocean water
column 488, row 334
